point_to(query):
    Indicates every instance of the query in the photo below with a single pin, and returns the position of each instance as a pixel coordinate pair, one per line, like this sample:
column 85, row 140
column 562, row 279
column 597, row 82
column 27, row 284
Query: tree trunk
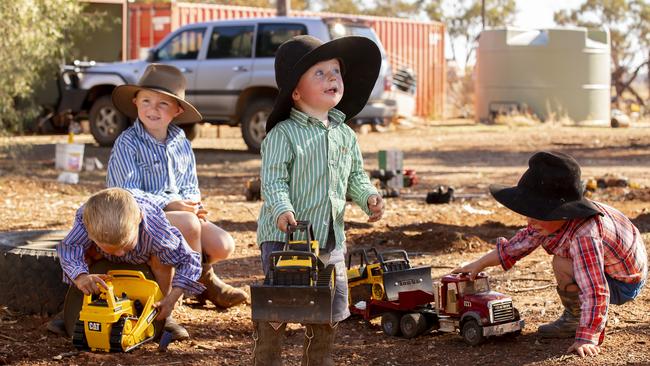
column 283, row 8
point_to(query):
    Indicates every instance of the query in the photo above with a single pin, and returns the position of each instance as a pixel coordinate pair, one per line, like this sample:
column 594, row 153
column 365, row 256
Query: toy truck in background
column 454, row 303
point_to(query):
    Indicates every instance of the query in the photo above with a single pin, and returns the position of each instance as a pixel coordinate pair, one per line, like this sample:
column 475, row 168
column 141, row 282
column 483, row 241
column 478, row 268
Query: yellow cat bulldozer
column 298, row 288
column 121, row 317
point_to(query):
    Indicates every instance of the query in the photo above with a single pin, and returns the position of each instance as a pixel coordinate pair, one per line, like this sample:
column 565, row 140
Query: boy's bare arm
column 489, row 260
column 167, row 304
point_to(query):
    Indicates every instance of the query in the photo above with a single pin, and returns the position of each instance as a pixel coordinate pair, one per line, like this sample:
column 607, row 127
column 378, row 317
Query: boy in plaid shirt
column 599, row 257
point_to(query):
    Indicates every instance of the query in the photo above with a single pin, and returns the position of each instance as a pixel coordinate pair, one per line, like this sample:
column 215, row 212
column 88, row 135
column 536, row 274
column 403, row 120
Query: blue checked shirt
column 309, row 169
column 157, row 238
column 162, row 172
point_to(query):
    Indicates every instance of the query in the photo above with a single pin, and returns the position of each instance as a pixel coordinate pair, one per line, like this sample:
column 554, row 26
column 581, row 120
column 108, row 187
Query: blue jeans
column 621, row 292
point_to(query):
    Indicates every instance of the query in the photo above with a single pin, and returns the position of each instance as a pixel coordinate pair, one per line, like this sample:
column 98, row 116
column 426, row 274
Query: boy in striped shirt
column 153, row 159
column 599, row 257
column 121, row 228
column 310, row 162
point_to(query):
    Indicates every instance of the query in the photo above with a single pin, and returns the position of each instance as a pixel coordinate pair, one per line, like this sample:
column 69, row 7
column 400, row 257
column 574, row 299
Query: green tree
column 463, row 19
column 629, row 25
column 393, row 8
column 295, row 4
column 341, row 6
column 35, row 37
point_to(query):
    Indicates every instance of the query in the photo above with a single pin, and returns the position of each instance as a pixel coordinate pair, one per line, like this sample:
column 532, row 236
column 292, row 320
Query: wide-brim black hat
column 361, row 62
column 549, row 190
column 160, row 78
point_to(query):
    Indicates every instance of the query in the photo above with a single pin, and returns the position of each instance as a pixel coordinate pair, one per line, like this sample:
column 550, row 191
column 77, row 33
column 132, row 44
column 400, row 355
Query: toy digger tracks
column 111, row 323
column 296, row 289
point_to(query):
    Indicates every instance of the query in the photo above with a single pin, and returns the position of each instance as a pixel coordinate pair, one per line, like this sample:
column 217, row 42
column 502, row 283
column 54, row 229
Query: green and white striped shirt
column 308, row 168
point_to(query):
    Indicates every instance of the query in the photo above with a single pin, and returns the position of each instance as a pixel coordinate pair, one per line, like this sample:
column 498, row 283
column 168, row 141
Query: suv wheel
column 106, row 122
column 253, row 124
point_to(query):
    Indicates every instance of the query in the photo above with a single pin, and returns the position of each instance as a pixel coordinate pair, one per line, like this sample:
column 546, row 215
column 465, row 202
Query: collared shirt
column 598, row 246
column 162, row 172
column 156, row 238
column 308, row 168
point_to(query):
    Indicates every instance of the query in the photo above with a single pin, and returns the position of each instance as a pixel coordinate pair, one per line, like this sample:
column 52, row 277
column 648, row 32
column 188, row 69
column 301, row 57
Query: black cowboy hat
column 549, row 190
column 360, row 58
column 161, row 78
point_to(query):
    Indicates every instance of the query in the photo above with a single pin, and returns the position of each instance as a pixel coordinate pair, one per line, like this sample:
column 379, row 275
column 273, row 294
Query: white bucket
column 69, row 157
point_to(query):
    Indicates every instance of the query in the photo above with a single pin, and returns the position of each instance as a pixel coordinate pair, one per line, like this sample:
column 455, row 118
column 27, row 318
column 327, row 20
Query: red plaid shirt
column 599, row 245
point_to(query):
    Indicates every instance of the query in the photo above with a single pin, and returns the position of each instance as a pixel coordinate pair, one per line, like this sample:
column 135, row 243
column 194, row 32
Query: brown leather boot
column 565, row 326
column 218, row 292
column 317, row 348
column 267, row 344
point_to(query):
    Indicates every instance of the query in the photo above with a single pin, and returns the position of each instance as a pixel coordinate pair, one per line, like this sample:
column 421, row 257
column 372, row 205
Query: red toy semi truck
column 454, row 303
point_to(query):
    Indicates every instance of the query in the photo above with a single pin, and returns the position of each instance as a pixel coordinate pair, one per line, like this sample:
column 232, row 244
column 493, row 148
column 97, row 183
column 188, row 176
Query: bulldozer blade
column 418, row 278
column 292, row 304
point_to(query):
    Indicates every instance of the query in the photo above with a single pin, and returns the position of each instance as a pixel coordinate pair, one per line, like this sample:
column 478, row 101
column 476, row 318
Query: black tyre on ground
column 106, row 122
column 412, row 325
column 390, row 323
column 30, row 273
column 472, row 333
column 191, row 130
column 253, row 123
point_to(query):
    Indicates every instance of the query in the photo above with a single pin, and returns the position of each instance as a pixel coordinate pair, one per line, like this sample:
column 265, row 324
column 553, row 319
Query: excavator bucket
column 287, row 303
column 411, row 279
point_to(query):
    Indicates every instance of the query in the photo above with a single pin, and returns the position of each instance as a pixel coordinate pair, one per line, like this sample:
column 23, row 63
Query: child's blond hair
column 112, row 216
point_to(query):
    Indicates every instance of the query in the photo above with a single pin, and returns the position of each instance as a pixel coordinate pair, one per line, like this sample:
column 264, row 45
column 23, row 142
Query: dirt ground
column 466, row 156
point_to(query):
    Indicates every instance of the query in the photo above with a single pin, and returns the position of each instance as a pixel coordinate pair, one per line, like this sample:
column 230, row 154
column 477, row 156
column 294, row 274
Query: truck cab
column 470, row 306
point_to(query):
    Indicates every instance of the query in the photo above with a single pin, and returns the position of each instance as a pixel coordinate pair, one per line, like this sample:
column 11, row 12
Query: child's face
column 118, row 251
column 156, row 110
column 320, row 88
column 545, row 227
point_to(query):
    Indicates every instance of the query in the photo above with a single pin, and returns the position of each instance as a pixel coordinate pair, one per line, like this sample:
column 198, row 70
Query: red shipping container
column 416, row 44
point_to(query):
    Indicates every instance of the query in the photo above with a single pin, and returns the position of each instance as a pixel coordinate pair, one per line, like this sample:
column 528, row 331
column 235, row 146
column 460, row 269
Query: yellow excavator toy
column 121, row 317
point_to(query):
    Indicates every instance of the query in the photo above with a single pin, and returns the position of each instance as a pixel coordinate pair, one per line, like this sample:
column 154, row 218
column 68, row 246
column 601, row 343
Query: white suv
column 230, row 74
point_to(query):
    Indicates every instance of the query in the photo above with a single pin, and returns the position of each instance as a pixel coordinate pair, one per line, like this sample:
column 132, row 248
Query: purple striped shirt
column 157, row 238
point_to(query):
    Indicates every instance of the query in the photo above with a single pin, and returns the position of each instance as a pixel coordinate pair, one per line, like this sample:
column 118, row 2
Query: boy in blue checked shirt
column 121, row 228
column 599, row 257
column 310, row 161
column 153, row 159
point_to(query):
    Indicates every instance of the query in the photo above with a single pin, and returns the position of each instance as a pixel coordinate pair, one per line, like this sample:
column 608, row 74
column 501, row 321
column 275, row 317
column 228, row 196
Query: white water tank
column 557, row 73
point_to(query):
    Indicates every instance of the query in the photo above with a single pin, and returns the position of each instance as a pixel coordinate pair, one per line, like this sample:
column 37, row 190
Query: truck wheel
column 106, row 122
column 30, row 273
column 412, row 325
column 390, row 323
column 191, row 130
column 253, row 123
column 472, row 333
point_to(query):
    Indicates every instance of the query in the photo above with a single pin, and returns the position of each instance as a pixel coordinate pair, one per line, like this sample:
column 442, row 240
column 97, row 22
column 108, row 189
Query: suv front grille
column 502, row 311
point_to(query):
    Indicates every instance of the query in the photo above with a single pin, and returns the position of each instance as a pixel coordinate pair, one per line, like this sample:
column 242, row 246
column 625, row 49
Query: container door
column 226, row 70
column 182, row 50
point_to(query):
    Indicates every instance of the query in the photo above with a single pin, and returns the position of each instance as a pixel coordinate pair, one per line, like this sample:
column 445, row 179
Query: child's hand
column 584, row 349
column 473, row 269
column 376, row 207
column 167, row 304
column 285, row 219
column 184, row 205
column 90, row 283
